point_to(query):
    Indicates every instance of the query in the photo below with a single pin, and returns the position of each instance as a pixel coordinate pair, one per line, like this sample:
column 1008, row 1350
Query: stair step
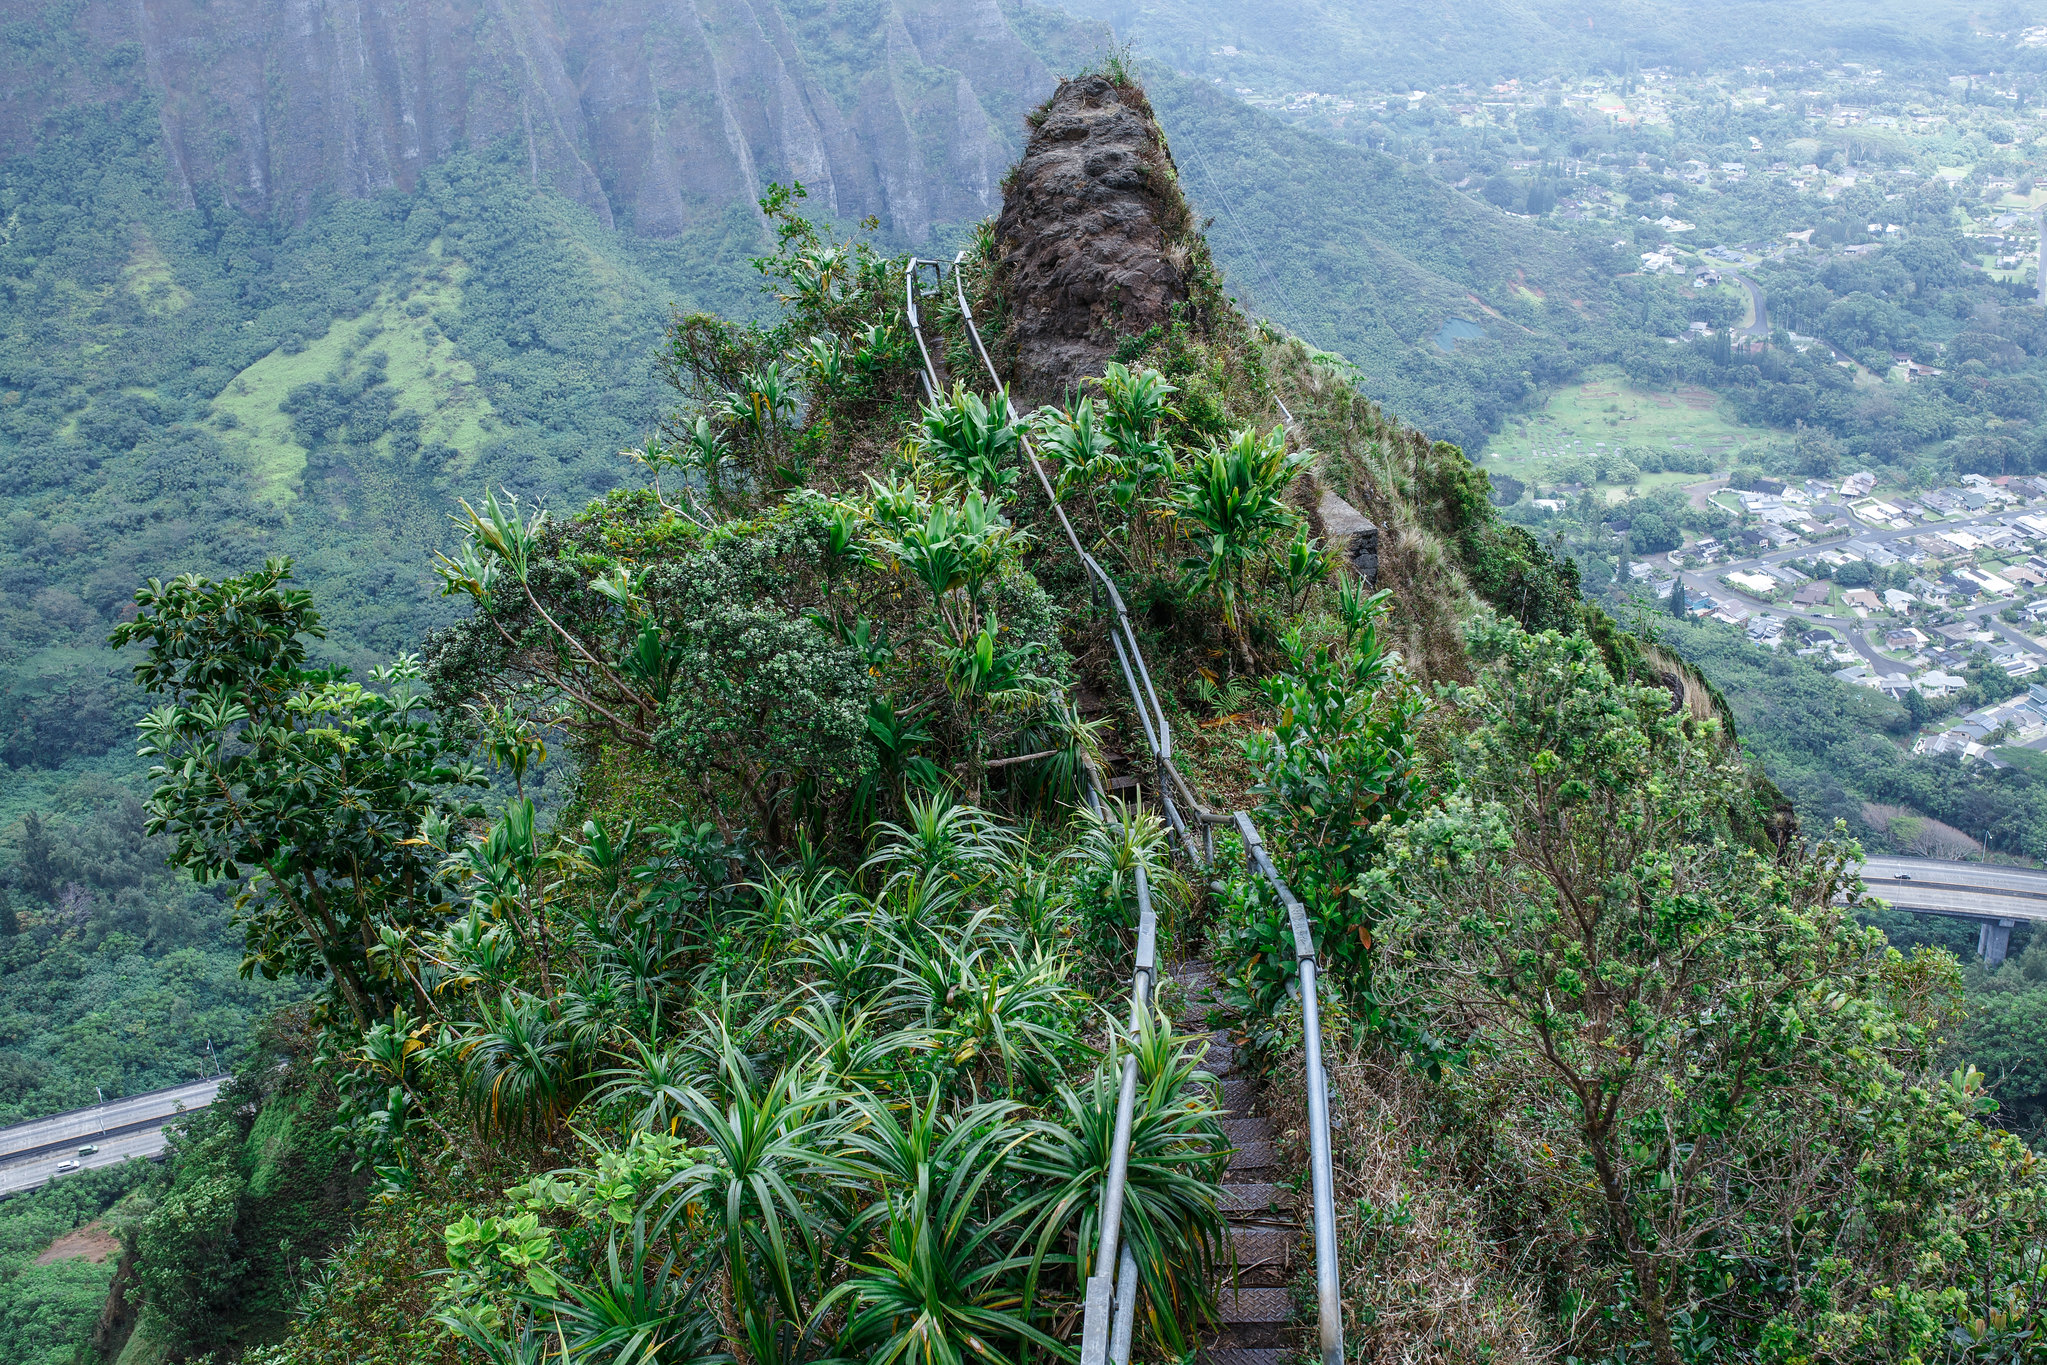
column 1258, row 1198
column 1255, row 1305
column 1260, row 1247
column 1241, row 1355
column 1219, row 1057
column 1253, row 1156
column 1238, row 1093
column 1241, row 1131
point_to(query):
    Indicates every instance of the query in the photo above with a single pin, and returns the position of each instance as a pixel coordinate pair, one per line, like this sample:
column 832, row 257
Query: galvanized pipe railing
column 1111, row 1305
column 1321, row 1166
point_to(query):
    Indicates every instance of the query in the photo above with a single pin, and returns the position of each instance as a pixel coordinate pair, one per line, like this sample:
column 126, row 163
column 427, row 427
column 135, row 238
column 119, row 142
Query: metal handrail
column 1321, row 1164
column 1153, row 723
column 1110, row 1311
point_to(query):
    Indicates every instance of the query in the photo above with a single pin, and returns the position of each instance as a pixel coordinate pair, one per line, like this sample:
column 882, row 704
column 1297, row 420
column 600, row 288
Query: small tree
column 1335, row 772
column 312, row 787
column 1230, row 505
column 1665, row 1006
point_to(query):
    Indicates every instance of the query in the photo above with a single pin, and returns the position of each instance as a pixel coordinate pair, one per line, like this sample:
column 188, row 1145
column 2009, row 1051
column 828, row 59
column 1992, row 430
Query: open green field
column 431, row 375
column 1610, row 416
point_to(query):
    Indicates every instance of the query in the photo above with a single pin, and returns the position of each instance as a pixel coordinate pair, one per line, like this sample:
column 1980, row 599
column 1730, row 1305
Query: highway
column 21, row 1174
column 1996, row 898
column 118, row 1115
column 1958, row 888
column 129, row 1126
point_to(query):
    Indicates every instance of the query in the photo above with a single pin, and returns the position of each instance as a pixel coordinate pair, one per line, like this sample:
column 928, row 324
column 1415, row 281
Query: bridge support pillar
column 1993, row 941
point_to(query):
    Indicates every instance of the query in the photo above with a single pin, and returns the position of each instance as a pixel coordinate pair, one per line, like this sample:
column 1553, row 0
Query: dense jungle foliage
column 195, row 390
column 791, row 1032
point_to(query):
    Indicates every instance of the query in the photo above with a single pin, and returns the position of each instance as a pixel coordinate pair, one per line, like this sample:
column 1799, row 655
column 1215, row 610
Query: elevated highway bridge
column 1993, row 896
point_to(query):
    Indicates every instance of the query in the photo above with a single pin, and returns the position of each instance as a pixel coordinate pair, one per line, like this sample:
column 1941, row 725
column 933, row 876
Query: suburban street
column 1761, row 326
column 1707, row 581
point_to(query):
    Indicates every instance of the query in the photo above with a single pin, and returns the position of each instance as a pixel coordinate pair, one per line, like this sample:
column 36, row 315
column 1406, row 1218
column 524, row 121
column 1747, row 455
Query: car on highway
column 1901, row 876
column 64, row 1166
column 87, row 1151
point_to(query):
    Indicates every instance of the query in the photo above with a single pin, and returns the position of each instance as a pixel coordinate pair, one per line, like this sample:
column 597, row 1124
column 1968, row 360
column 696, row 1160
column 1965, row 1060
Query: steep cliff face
column 1094, row 234
column 655, row 114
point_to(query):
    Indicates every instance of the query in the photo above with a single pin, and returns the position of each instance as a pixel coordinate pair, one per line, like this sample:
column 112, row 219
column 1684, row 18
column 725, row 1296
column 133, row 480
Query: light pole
column 103, row 1109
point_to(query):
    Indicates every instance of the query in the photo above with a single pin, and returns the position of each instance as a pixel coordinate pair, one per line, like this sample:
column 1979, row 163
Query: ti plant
column 1230, row 504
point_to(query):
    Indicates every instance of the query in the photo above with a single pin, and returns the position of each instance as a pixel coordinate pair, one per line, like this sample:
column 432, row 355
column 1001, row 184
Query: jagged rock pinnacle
column 1091, row 234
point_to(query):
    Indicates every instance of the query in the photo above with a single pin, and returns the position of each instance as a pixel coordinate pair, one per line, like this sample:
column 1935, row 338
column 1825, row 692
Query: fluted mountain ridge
column 654, row 114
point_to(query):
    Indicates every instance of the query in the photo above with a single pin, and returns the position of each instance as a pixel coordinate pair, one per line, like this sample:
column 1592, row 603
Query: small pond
column 1456, row 330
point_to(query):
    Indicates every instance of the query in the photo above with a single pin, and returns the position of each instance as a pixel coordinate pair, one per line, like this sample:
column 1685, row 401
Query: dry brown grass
column 1362, row 452
column 1428, row 1277
column 1920, row 834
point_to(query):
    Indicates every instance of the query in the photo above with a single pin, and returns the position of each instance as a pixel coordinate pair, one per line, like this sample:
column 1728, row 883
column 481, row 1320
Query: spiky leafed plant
column 768, row 1168
column 1171, row 1222
column 938, row 1286
column 1007, row 1008
column 972, row 440
column 1068, row 743
column 849, row 1048
column 848, row 965
column 521, row 1070
column 941, row 840
column 1230, row 504
column 1114, row 844
column 637, row 1310
column 654, row 1082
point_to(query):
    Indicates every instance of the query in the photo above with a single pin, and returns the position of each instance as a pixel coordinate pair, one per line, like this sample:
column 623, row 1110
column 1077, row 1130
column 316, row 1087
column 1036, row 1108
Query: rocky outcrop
column 1346, row 532
column 656, row 114
column 1093, row 234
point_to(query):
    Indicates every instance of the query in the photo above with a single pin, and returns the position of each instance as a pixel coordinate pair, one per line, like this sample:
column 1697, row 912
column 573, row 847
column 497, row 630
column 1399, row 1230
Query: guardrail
column 1111, row 1305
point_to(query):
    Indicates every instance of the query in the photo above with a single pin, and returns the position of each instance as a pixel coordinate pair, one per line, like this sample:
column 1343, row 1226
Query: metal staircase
column 1256, row 1309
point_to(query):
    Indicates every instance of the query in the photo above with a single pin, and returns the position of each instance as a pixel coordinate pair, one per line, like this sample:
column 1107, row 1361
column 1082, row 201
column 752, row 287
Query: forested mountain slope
column 1358, row 252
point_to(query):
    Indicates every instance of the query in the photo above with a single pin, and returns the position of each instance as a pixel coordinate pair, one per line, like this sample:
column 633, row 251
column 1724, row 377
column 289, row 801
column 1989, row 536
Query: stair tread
column 1240, row 1355
column 1260, row 1246
column 1257, row 1198
column 1255, row 1305
column 1238, row 1093
column 1241, row 1131
column 1251, row 1156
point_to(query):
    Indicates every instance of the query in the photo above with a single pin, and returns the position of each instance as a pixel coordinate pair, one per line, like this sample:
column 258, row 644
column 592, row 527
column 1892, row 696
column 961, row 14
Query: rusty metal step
column 1241, row 1355
column 1252, row 1199
column 1241, row 1131
column 1252, row 1156
column 1254, row 1317
column 1219, row 1058
column 1236, row 1306
column 1261, row 1254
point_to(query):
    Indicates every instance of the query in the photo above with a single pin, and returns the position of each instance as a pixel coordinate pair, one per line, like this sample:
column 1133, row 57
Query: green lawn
column 1608, row 414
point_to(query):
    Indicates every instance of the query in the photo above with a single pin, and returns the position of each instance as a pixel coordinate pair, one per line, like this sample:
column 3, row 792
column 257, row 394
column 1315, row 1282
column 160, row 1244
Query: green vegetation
column 786, row 1035
column 1611, row 429
column 195, row 391
column 48, row 1309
